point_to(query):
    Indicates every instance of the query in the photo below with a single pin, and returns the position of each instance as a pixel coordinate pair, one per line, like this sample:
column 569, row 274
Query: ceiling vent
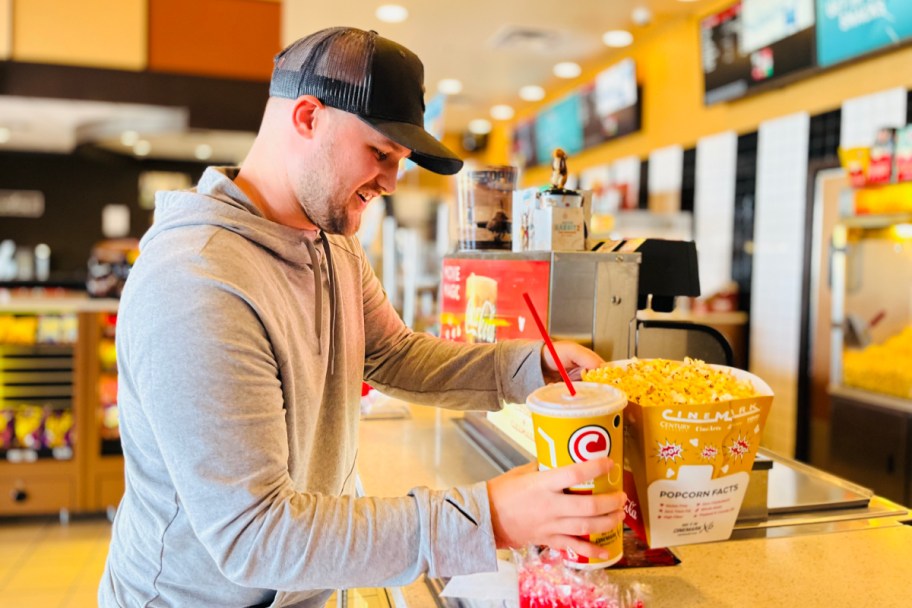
column 528, row 39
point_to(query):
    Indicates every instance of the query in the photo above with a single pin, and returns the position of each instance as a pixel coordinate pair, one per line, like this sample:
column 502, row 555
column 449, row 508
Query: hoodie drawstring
column 318, row 297
column 332, row 303
column 318, row 292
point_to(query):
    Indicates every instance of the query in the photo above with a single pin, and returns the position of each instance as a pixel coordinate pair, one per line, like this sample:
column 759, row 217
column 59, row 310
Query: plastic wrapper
column 546, row 582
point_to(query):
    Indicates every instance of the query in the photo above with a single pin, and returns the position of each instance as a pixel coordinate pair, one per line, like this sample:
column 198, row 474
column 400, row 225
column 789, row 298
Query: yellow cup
column 576, row 428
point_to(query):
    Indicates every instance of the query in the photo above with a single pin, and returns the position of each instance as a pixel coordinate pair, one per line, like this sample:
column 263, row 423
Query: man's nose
column 388, row 178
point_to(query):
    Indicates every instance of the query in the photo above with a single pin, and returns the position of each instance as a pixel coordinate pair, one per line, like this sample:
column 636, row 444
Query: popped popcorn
column 651, row 382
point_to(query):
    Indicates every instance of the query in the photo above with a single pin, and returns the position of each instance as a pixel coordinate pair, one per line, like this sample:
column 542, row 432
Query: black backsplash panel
column 823, row 140
column 643, row 201
column 909, row 108
column 689, row 180
column 76, row 188
column 743, row 229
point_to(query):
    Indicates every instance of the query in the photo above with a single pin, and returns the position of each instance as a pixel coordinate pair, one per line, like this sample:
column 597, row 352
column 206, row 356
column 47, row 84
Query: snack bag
column 856, row 162
column 691, row 434
column 7, row 421
column 28, row 427
column 545, row 581
column 58, row 428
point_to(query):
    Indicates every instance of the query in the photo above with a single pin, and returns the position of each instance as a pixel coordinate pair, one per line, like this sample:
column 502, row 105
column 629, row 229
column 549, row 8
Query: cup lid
column 592, row 398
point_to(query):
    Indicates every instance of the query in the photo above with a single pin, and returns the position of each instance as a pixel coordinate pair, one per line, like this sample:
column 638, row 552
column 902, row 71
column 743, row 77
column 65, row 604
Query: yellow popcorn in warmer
column 663, row 381
column 882, row 368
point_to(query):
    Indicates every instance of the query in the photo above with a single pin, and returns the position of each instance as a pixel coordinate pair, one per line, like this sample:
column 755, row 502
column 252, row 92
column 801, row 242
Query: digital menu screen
column 609, row 107
column 753, row 43
column 596, row 112
column 849, row 28
column 559, row 126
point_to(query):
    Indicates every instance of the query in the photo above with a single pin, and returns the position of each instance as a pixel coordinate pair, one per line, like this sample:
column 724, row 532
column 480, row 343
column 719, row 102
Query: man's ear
column 304, row 114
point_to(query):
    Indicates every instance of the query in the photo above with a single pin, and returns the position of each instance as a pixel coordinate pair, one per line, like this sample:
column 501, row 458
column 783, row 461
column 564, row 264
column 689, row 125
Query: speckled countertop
column 862, row 563
column 55, row 304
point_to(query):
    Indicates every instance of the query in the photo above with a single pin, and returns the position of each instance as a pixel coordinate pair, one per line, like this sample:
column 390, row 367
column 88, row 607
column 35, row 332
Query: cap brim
column 427, row 152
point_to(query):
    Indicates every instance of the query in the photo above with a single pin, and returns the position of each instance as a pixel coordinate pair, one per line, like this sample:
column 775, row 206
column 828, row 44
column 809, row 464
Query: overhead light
column 5, row 134
column 480, row 126
column 391, row 13
column 531, row 92
column 903, row 231
column 450, row 86
column 617, row 38
column 641, row 16
column 142, row 148
column 502, row 112
column 203, row 152
column 129, row 138
column 567, row 69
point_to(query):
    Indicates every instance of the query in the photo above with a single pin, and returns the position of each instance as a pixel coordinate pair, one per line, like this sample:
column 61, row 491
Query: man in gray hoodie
column 244, row 333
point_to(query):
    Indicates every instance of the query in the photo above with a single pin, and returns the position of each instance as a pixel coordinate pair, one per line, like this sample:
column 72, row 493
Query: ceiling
column 461, row 39
column 494, row 48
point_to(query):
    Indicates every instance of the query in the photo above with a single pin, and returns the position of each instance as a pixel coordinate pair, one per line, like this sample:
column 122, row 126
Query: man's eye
column 381, row 156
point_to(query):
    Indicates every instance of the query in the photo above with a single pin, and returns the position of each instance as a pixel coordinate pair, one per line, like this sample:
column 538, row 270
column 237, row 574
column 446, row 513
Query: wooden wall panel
column 6, row 29
column 227, row 38
column 97, row 33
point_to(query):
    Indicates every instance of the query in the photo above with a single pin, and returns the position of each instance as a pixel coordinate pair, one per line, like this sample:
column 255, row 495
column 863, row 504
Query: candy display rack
column 39, row 450
column 59, row 453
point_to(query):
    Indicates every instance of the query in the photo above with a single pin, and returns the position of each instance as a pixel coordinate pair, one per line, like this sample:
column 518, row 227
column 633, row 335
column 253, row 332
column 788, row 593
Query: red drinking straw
column 549, row 344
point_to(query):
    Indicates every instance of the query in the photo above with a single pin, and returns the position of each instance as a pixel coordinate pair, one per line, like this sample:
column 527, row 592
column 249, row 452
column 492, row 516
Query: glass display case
column 871, row 357
column 59, row 440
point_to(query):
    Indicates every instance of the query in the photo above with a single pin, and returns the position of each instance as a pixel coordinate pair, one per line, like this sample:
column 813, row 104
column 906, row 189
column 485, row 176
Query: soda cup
column 576, row 428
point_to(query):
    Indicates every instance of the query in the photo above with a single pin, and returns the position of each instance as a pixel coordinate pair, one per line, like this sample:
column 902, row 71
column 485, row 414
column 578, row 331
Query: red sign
column 481, row 300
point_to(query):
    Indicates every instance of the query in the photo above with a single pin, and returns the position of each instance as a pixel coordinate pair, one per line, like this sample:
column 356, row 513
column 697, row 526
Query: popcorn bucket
column 687, row 454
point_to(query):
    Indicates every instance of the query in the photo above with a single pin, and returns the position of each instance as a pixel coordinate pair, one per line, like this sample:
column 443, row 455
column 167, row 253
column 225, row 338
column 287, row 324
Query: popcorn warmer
column 871, row 353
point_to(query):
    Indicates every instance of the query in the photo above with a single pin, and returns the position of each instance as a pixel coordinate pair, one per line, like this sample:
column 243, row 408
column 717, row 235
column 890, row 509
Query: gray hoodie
column 241, row 347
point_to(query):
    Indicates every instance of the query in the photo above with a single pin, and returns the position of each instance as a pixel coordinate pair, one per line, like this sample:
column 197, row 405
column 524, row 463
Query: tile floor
column 44, row 564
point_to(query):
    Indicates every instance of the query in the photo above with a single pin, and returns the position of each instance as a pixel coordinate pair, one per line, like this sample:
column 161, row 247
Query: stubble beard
column 318, row 198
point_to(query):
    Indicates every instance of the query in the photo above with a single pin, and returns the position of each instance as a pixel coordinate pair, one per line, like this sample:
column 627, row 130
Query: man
column 245, row 329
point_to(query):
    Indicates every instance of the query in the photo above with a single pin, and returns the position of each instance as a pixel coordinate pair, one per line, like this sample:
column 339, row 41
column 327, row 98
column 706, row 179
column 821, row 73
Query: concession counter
column 823, row 542
column 802, row 537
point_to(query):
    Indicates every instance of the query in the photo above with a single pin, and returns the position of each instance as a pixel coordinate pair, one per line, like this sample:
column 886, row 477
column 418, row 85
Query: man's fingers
column 590, row 505
column 582, row 526
column 576, row 474
column 581, row 356
column 576, row 545
column 529, row 467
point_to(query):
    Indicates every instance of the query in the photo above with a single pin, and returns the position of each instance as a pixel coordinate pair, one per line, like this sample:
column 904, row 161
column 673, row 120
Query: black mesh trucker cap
column 367, row 75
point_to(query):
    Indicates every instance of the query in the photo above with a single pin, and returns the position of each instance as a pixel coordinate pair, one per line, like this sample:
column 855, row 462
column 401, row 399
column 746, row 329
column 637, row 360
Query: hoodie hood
column 218, row 201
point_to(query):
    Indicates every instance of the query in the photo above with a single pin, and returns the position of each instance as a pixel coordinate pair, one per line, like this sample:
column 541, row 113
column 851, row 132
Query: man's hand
column 575, row 358
column 529, row 507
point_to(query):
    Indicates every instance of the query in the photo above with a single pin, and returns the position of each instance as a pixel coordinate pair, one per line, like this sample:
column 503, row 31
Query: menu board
column 766, row 22
column 753, row 43
column 559, row 126
column 596, row 112
column 609, row 104
column 524, row 153
column 849, row 28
